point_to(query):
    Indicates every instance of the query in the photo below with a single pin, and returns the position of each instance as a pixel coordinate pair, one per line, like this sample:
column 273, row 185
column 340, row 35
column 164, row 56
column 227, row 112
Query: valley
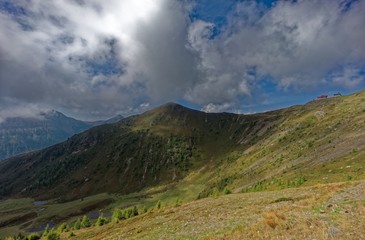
column 217, row 175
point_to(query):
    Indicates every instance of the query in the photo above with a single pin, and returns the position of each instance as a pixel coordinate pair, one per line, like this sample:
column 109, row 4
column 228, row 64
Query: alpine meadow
column 192, row 174
column 225, row 119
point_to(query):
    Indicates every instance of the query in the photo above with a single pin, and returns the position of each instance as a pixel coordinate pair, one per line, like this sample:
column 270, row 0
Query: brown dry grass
column 332, row 211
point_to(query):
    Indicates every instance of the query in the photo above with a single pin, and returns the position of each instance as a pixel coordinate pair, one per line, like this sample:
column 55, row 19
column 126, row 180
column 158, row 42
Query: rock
column 333, row 231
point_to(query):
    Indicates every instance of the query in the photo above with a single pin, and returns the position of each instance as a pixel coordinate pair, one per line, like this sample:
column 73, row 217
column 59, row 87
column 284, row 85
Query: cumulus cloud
column 295, row 44
column 214, row 108
column 96, row 58
column 348, row 77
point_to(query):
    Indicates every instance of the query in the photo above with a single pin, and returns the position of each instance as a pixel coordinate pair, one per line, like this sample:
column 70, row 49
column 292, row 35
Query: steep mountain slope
column 161, row 145
column 19, row 135
column 322, row 141
column 173, row 153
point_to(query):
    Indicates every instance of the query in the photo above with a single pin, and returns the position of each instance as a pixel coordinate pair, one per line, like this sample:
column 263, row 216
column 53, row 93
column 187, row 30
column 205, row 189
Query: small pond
column 40, row 203
column 41, row 228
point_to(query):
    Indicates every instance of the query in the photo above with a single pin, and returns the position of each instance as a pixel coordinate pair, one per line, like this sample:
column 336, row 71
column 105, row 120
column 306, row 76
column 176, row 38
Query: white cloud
column 348, row 77
column 296, row 44
column 214, row 108
column 56, row 53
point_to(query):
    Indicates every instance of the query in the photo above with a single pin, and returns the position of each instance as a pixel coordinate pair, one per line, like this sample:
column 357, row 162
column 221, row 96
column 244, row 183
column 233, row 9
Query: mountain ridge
column 171, row 154
column 182, row 134
column 166, row 144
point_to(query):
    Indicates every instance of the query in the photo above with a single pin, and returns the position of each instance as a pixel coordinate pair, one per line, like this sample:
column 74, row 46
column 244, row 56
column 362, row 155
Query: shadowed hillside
column 161, row 145
column 165, row 144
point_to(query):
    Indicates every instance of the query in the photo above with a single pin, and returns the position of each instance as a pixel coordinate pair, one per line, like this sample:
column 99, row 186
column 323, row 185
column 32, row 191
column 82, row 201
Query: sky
column 93, row 59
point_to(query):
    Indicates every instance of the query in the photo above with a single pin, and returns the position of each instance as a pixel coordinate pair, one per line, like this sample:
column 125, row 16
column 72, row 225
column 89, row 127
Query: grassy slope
column 318, row 212
column 320, row 142
column 161, row 146
column 323, row 141
column 18, row 214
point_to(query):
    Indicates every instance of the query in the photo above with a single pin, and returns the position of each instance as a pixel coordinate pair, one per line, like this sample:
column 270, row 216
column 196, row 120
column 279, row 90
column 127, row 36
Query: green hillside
column 159, row 146
column 174, row 154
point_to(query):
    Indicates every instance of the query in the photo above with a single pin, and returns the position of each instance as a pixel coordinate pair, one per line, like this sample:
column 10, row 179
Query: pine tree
column 77, row 224
column 144, row 209
column 226, row 191
column 135, row 211
column 158, row 205
column 117, row 214
column 101, row 221
column 63, row 228
column 85, row 222
column 46, row 230
column 34, row 236
column 53, row 235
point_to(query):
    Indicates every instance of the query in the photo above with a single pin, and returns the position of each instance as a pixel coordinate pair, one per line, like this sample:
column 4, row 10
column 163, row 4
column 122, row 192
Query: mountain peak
column 171, row 105
column 167, row 113
column 171, row 108
column 51, row 113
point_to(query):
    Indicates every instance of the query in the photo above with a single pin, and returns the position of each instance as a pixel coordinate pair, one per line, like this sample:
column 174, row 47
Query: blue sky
column 273, row 97
column 97, row 59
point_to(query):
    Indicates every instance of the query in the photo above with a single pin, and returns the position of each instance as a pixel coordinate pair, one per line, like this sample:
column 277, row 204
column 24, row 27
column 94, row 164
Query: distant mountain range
column 23, row 134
